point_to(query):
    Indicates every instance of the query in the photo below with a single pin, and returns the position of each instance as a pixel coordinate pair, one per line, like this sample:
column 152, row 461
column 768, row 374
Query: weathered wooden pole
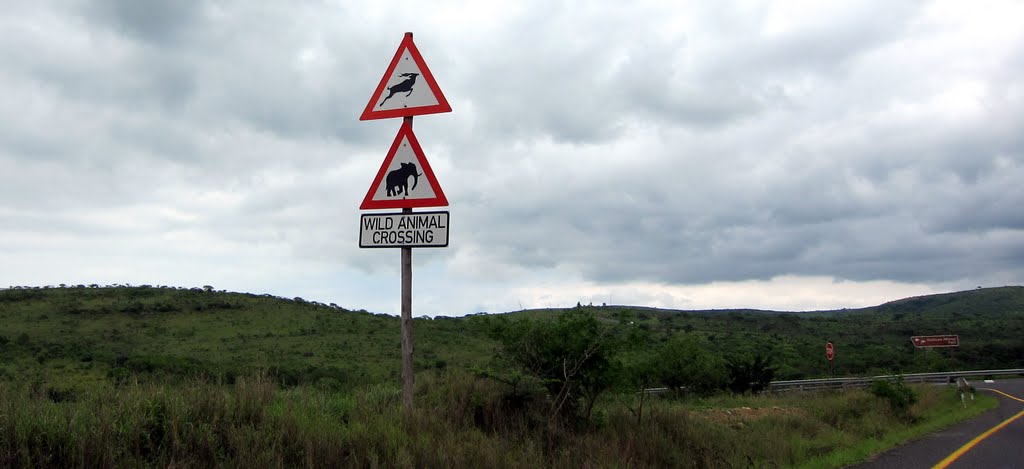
column 407, row 378
column 406, row 66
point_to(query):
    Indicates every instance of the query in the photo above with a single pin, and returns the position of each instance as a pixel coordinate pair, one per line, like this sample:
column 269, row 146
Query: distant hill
column 871, row 340
column 1001, row 299
column 90, row 334
column 997, row 299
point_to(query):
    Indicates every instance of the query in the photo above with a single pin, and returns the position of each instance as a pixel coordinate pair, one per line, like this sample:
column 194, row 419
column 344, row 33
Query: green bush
column 754, row 374
column 894, row 391
column 573, row 357
column 684, row 363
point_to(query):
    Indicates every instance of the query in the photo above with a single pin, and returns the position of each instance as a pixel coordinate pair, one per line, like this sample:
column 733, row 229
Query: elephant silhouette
column 398, row 179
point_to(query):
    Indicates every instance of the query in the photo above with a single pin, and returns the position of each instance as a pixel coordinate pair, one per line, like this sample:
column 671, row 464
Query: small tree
column 573, row 357
column 685, row 365
column 754, row 374
column 640, row 372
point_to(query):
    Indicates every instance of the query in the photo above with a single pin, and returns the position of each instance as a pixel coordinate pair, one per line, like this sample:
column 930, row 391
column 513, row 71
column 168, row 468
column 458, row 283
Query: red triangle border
column 370, row 113
column 439, row 199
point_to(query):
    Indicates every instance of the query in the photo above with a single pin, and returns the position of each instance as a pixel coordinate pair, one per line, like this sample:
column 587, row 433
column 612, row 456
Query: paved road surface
column 1002, row 448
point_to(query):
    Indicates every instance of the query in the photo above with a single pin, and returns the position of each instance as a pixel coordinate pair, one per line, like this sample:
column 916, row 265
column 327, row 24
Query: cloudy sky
column 705, row 154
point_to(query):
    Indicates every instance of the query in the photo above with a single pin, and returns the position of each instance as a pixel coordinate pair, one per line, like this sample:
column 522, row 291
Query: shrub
column 683, row 363
column 754, row 375
column 572, row 356
column 899, row 396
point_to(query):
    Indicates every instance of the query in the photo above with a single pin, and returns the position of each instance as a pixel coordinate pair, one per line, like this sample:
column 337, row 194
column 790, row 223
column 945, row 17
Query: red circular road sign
column 830, row 352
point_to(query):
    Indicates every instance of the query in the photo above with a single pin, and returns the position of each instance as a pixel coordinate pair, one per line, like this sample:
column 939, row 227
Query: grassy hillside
column 82, row 335
column 874, row 340
column 980, row 300
column 150, row 376
column 79, row 335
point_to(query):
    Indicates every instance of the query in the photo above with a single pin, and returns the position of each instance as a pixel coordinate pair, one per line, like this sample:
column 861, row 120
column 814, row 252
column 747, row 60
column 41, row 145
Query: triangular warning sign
column 405, row 180
column 407, row 88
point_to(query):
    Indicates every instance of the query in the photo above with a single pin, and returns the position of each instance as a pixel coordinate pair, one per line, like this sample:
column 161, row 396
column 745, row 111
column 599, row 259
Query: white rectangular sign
column 403, row 230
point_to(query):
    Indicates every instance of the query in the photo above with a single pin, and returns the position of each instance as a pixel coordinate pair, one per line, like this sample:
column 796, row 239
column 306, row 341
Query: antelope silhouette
column 405, row 85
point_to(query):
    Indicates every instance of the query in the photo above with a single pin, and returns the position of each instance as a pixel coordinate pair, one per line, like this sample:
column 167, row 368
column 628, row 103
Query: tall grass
column 460, row 421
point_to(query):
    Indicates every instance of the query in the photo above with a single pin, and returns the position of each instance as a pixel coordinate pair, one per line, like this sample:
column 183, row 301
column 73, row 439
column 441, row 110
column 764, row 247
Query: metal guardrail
column 840, row 383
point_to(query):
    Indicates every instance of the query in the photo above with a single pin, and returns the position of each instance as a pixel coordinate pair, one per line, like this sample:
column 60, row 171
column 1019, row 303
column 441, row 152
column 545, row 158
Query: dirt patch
column 737, row 416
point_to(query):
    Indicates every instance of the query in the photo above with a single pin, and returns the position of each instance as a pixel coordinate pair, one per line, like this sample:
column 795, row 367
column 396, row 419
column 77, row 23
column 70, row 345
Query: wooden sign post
column 407, row 89
column 407, row 378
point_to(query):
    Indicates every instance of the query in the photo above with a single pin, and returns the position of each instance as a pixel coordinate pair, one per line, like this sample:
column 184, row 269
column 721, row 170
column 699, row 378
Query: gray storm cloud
column 677, row 145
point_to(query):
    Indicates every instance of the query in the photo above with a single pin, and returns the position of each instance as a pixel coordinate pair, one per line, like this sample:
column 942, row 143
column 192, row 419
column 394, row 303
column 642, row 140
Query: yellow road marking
column 1003, row 393
column 965, row 448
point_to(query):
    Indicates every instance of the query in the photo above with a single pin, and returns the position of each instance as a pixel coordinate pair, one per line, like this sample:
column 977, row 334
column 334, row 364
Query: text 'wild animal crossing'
column 421, row 229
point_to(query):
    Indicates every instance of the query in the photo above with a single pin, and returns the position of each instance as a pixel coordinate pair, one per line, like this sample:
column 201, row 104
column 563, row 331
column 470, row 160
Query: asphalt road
column 957, row 447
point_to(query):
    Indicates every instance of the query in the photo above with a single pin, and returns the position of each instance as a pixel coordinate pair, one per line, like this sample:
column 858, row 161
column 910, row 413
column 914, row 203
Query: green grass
column 81, row 337
column 77, row 337
column 460, row 421
column 838, row 429
column 931, row 418
column 144, row 376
